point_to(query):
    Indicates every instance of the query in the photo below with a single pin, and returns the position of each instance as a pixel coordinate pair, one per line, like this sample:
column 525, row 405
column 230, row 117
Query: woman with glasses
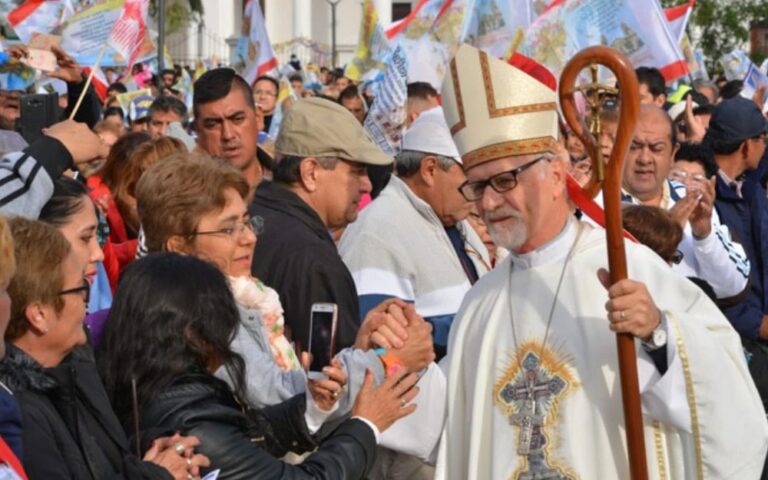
column 69, row 428
column 196, row 206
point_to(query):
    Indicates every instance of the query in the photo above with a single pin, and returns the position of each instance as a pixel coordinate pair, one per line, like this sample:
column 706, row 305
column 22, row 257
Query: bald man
column 708, row 251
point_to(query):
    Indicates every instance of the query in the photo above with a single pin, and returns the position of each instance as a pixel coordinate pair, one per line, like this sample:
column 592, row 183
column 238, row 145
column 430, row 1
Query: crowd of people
column 160, row 261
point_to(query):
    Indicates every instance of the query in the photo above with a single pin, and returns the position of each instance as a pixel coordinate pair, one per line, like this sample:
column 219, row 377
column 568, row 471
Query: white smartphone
column 322, row 337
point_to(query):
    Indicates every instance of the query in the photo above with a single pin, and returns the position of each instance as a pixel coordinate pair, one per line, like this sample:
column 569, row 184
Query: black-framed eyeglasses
column 84, row 290
column 500, row 183
column 254, row 224
column 677, row 257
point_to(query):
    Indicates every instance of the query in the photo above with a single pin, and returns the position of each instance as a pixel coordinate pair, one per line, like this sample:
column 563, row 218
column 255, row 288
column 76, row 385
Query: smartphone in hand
column 322, row 337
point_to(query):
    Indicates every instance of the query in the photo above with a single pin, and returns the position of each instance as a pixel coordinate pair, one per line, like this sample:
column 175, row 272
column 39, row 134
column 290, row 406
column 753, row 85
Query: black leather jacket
column 69, row 428
column 246, row 445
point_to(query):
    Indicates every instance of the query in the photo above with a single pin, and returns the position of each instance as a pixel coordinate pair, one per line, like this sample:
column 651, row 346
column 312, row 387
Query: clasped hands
column 177, row 455
column 393, row 325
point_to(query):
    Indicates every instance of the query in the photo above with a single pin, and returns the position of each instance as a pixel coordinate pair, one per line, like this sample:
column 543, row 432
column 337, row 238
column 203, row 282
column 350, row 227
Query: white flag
column 386, row 119
column 259, row 57
column 678, row 19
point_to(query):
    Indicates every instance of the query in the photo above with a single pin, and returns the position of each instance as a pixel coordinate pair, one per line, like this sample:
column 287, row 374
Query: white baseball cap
column 429, row 133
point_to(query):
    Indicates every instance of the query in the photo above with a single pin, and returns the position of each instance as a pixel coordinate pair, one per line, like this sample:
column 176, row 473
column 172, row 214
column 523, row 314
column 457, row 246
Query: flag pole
column 89, row 80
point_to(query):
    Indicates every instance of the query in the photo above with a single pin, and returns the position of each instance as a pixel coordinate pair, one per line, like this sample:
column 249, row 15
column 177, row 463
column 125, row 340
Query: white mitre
column 497, row 110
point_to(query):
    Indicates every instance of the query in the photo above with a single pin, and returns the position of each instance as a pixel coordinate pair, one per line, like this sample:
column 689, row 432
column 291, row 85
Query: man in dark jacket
column 737, row 136
column 322, row 153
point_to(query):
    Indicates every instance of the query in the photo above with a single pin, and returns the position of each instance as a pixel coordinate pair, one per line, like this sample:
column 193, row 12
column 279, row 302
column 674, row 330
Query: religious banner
column 702, row 72
column 395, row 28
column 735, row 64
column 497, row 26
column 39, row 16
column 637, row 28
column 386, row 119
column 84, row 34
column 129, row 30
column 254, row 50
column 372, row 48
column 429, row 39
column 754, row 79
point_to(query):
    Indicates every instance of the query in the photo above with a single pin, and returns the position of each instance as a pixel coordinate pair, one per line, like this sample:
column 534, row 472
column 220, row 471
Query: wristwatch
column 658, row 337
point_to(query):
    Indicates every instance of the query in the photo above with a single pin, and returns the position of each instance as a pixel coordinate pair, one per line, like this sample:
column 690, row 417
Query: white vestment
column 703, row 418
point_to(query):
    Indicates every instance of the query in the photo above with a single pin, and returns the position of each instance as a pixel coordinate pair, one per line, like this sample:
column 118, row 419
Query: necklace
column 534, row 386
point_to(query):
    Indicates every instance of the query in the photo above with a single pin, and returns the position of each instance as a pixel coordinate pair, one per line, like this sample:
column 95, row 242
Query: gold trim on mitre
column 497, row 110
column 459, row 102
column 490, row 95
column 509, row 149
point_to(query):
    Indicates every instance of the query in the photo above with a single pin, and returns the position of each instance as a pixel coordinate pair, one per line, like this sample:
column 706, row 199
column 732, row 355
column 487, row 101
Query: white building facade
column 301, row 27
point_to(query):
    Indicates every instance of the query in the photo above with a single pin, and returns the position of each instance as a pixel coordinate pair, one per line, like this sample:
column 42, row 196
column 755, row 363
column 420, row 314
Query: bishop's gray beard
column 511, row 234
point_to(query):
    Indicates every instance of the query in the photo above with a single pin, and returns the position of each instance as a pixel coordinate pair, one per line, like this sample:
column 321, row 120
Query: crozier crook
column 629, row 106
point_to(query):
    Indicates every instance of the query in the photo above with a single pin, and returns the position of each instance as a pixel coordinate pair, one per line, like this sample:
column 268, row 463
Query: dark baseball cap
column 736, row 119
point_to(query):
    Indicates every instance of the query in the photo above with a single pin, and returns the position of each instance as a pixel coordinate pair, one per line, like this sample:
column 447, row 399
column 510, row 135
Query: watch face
column 659, row 337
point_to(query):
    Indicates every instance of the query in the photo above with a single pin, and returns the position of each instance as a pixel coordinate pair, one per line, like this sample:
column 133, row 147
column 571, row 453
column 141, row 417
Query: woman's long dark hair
column 68, row 197
column 171, row 314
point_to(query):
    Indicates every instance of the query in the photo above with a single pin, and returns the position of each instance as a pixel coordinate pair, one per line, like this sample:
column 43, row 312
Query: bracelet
column 392, row 363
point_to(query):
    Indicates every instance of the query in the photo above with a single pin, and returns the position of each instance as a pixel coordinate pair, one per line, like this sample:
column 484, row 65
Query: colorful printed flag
column 372, row 48
column 637, row 28
column 735, row 64
column 386, row 119
column 752, row 80
column 129, row 30
column 429, row 37
column 258, row 55
column 738, row 66
column 678, row 19
column 397, row 27
column 497, row 26
column 39, row 16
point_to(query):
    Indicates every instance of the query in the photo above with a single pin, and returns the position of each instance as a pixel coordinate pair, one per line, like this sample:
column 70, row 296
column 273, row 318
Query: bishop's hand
column 630, row 307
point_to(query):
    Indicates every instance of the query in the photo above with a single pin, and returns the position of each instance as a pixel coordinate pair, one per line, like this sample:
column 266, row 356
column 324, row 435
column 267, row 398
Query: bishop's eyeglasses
column 500, row 183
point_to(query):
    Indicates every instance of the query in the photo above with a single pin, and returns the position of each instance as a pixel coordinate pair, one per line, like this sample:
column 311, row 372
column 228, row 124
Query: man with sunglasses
column 532, row 369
